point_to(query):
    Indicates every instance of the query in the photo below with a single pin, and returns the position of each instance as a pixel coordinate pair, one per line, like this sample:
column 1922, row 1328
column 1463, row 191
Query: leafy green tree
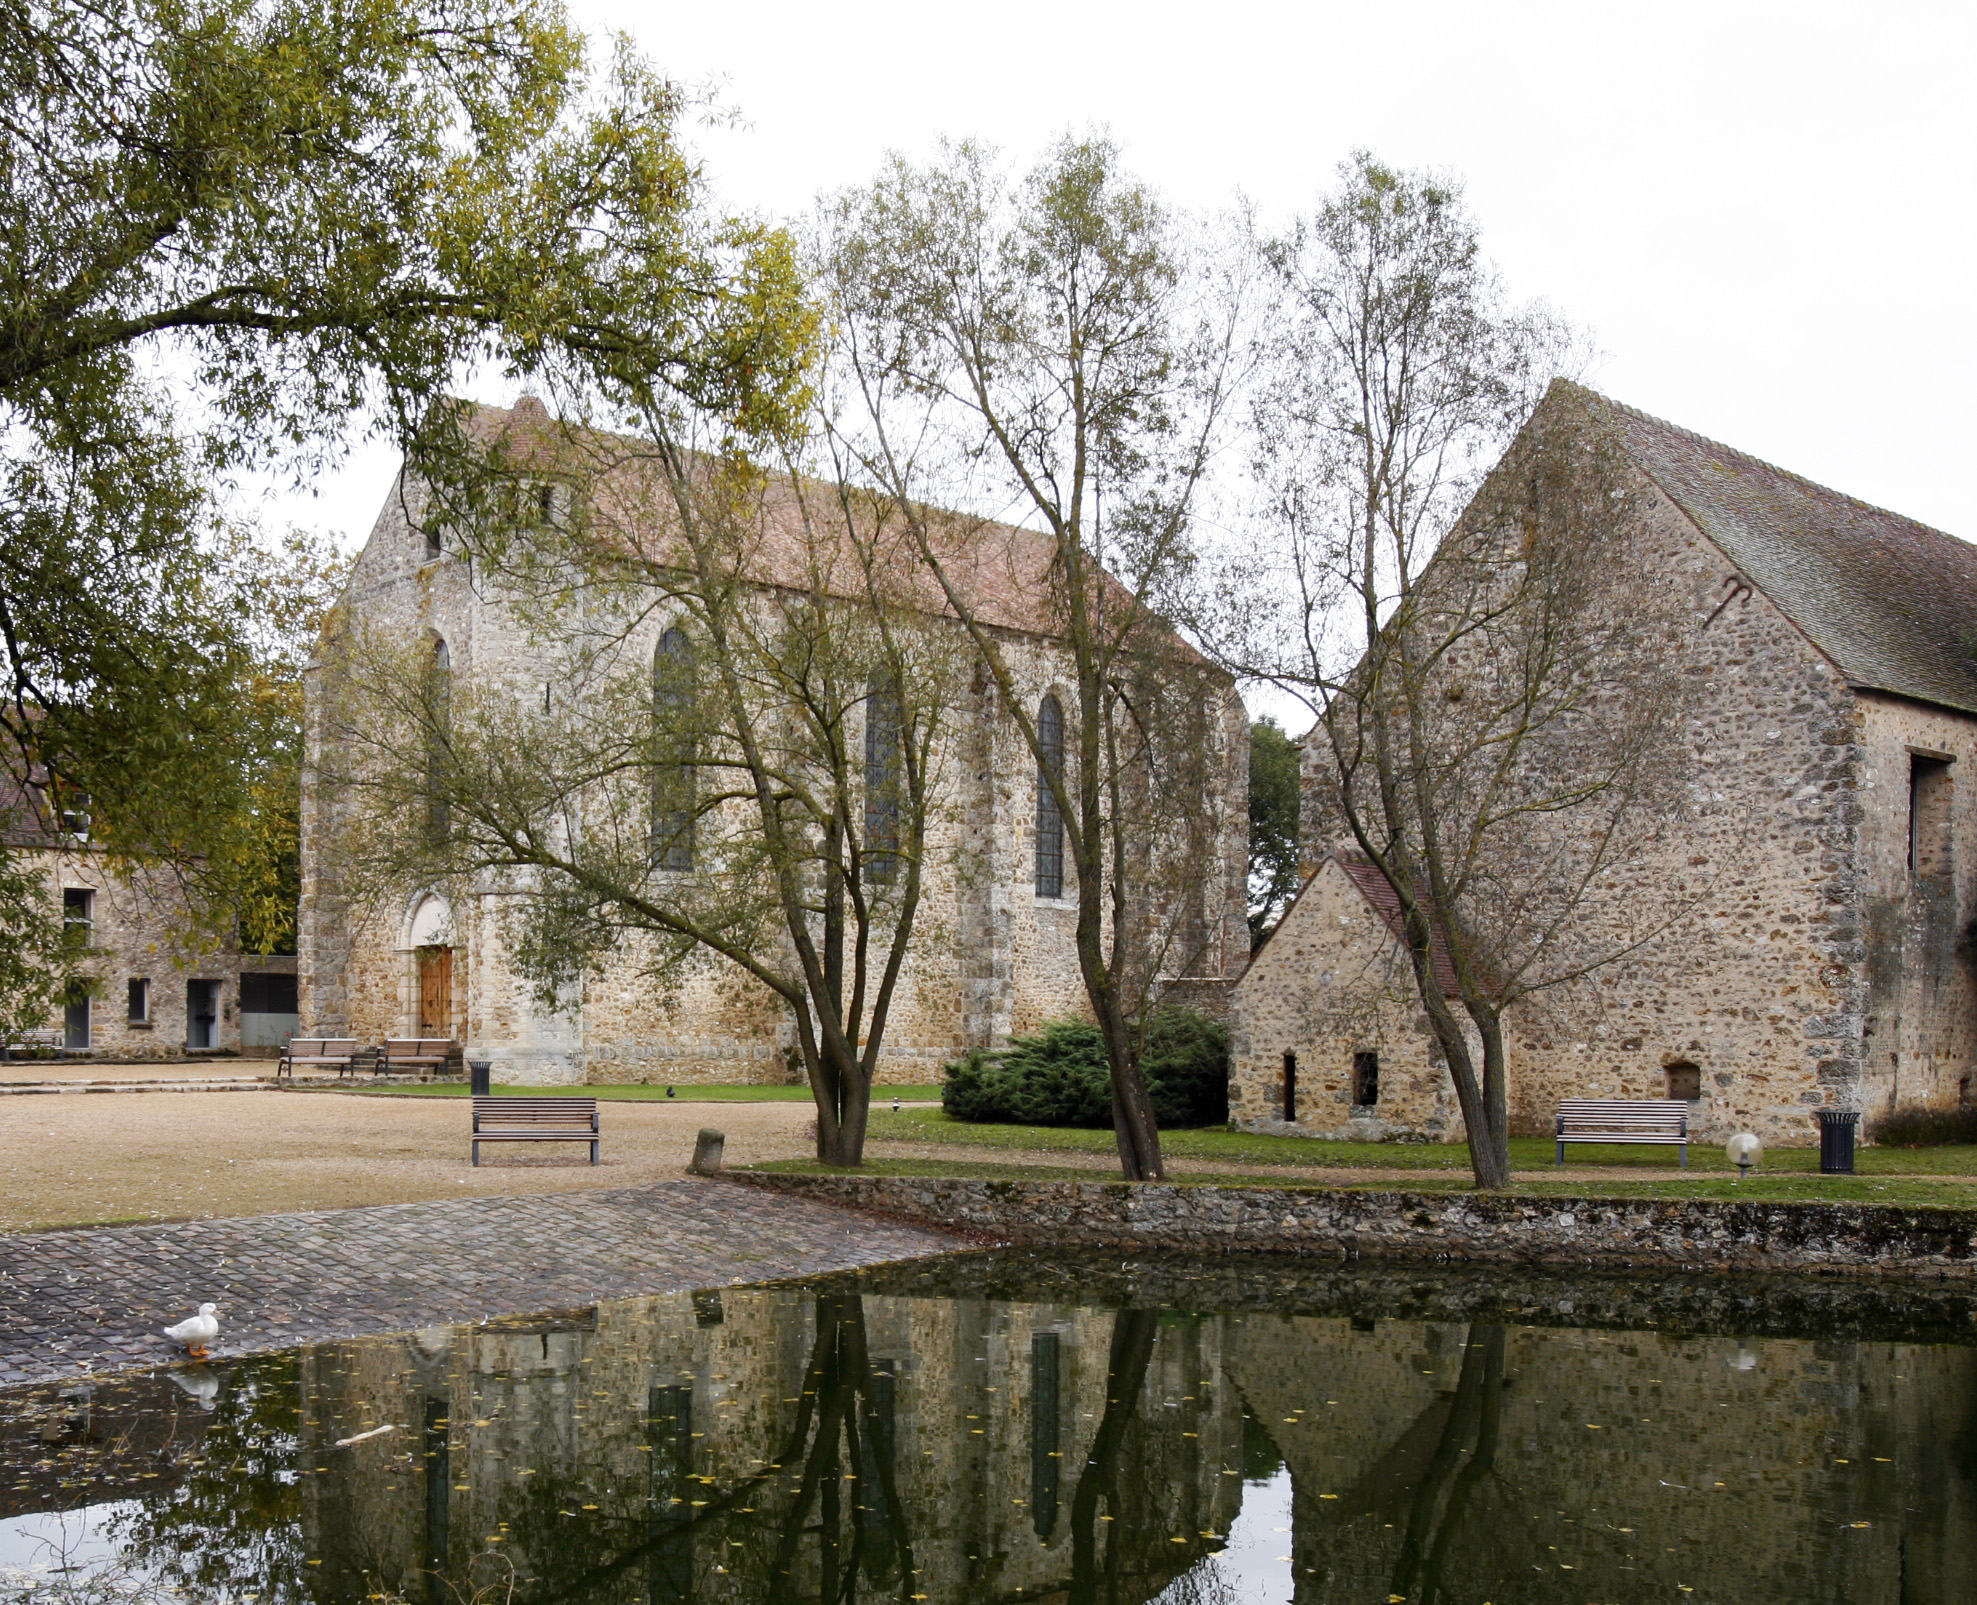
column 1274, row 794
column 227, row 229
column 1061, row 350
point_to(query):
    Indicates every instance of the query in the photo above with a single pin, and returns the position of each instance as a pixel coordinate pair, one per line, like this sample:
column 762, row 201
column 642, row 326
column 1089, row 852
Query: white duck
column 196, row 1331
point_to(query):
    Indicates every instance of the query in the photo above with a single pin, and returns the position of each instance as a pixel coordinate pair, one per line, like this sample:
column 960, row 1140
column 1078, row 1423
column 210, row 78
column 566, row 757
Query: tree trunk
column 1133, row 1125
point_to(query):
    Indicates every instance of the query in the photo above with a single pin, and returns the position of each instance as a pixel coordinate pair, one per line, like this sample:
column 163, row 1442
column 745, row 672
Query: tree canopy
column 231, row 229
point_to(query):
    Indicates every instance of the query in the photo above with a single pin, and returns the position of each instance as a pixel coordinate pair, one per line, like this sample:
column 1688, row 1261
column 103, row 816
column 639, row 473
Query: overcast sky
column 1763, row 212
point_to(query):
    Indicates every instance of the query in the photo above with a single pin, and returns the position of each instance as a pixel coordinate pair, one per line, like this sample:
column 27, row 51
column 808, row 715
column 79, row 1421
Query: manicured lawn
column 1899, row 1192
column 633, row 1092
column 1526, row 1153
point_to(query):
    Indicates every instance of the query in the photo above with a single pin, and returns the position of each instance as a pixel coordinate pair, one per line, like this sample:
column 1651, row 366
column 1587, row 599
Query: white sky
column 1764, row 212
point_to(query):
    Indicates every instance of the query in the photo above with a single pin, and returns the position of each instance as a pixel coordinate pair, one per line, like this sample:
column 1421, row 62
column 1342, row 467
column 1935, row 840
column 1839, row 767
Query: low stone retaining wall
column 1689, row 1234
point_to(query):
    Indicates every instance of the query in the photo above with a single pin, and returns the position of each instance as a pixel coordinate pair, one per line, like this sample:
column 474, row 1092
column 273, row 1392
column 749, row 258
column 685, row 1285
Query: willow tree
column 1059, row 350
column 233, row 231
column 732, row 749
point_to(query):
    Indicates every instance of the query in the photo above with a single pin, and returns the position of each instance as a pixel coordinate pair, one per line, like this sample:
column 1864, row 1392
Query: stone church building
column 998, row 910
column 1835, row 645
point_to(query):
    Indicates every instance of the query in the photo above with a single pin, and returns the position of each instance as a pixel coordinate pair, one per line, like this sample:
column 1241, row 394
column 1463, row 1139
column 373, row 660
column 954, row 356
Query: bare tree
column 1499, row 723
column 1057, row 351
column 731, row 742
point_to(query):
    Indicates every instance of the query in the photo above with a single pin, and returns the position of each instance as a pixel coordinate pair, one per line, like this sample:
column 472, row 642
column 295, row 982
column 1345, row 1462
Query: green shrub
column 1926, row 1128
column 1059, row 1076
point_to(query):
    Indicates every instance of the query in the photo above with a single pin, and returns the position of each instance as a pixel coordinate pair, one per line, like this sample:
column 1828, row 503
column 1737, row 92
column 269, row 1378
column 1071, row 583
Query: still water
column 1014, row 1427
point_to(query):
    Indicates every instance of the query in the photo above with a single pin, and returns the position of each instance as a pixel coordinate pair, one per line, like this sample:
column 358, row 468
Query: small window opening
column 78, row 916
column 1928, row 817
column 76, row 821
column 1963, row 1093
column 139, row 1012
column 434, row 549
column 1684, row 1081
column 1290, row 1086
column 545, row 502
column 1365, row 1079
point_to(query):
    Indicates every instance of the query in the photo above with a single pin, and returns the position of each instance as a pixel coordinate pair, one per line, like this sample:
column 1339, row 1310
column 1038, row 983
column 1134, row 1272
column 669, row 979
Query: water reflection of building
column 771, row 1444
column 1447, row 1462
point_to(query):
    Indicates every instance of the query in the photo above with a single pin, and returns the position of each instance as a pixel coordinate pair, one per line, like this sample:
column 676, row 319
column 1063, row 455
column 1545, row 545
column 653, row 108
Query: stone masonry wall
column 138, row 928
column 1689, row 1234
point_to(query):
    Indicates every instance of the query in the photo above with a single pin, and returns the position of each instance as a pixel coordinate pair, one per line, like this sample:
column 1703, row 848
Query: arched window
column 883, row 717
column 1050, row 820
column 439, row 732
column 673, row 751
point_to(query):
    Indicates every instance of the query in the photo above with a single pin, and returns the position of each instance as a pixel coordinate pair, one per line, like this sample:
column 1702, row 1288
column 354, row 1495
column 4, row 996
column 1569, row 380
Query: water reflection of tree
column 836, row 1465
column 232, row 1525
column 1096, row 1577
column 1464, row 1456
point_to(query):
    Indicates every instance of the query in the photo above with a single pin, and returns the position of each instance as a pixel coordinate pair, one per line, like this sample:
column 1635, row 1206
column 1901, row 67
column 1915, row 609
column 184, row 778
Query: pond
column 1012, row 1427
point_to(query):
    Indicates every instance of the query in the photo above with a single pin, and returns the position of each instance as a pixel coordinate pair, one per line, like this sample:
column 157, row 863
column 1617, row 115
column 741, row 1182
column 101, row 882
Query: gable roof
column 1893, row 603
column 1385, row 902
column 1003, row 572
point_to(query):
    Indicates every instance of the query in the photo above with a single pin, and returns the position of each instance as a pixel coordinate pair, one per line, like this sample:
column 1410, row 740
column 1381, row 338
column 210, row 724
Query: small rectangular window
column 78, row 916
column 1365, row 1079
column 139, row 1012
column 1685, row 1081
column 1290, row 1087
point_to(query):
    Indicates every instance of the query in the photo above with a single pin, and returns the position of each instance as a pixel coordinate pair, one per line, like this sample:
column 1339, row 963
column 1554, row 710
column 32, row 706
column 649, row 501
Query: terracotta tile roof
column 1375, row 888
column 1893, row 603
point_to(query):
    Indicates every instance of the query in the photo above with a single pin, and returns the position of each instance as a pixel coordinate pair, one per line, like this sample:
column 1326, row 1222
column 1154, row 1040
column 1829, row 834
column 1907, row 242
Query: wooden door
column 435, row 991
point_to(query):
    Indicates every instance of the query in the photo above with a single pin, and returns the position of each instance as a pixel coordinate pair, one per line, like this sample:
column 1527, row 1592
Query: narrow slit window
column 1365, row 1079
column 1050, row 819
column 1290, row 1087
column 439, row 742
column 138, row 994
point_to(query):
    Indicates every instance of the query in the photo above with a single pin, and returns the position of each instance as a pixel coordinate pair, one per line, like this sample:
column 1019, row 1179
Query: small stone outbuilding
column 1831, row 964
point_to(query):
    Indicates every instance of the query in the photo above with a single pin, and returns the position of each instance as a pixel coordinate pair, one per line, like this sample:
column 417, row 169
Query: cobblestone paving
column 79, row 1301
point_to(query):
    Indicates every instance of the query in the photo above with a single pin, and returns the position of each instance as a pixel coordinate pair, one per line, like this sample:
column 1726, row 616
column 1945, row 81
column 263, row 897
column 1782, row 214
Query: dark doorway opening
column 202, row 1014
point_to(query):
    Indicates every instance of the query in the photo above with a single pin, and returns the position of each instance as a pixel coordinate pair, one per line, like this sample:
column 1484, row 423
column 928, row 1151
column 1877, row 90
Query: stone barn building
column 1831, row 964
column 148, row 987
column 999, row 954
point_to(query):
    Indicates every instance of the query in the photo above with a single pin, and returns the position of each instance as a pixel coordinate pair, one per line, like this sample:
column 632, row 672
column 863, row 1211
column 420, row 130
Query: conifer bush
column 1058, row 1077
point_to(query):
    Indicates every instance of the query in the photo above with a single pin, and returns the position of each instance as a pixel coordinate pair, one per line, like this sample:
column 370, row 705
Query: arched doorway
column 431, row 941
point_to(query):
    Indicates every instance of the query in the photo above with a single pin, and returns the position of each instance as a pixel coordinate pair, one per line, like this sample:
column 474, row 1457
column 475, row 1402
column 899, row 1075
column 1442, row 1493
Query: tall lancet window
column 439, row 742
column 673, row 752
column 1050, row 820
column 884, row 771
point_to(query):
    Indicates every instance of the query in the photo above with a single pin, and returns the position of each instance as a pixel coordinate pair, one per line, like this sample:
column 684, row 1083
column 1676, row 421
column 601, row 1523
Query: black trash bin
column 1836, row 1133
column 479, row 1071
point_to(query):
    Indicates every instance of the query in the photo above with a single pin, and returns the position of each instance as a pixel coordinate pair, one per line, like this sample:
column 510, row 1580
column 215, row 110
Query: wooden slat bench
column 1659, row 1120
column 319, row 1053
column 417, row 1055
column 50, row 1039
column 523, row 1119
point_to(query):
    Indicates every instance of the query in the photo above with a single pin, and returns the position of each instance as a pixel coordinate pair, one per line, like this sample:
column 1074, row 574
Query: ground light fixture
column 1744, row 1150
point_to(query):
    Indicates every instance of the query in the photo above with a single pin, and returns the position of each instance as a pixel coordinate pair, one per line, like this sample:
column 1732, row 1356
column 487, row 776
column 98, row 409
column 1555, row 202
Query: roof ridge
column 1765, row 463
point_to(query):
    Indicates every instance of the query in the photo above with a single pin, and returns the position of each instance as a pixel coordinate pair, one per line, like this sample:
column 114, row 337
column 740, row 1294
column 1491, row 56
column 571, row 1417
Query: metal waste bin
column 479, row 1072
column 1836, row 1133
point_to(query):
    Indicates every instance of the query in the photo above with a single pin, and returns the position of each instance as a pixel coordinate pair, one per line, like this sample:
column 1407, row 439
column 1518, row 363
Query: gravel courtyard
column 71, row 1159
